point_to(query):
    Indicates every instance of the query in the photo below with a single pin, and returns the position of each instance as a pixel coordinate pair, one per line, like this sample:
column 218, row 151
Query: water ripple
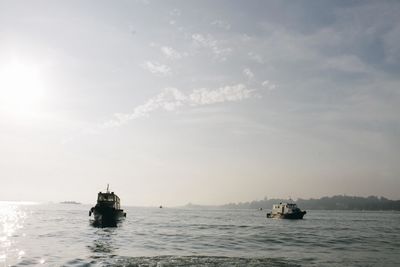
column 59, row 235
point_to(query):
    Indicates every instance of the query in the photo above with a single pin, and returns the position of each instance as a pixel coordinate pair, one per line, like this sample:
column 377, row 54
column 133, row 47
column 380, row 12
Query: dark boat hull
column 106, row 216
column 290, row 216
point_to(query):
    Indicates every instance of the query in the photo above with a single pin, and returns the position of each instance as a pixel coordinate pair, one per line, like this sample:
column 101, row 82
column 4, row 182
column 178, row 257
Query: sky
column 207, row 102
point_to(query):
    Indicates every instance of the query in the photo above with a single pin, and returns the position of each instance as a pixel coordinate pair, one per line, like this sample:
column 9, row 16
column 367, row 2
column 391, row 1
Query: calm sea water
column 62, row 235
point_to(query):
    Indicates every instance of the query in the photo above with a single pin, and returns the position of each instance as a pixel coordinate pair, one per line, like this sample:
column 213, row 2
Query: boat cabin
column 108, row 199
column 283, row 208
column 286, row 211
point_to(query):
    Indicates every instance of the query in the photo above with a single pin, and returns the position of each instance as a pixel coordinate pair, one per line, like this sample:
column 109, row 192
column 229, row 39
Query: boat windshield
column 106, row 197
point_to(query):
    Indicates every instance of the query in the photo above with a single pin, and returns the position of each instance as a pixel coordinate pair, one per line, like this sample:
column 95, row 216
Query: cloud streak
column 268, row 84
column 157, row 68
column 222, row 24
column 170, row 53
column 171, row 99
column 248, row 73
column 208, row 41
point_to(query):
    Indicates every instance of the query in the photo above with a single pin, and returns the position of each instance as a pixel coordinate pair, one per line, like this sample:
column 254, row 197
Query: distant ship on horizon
column 70, row 202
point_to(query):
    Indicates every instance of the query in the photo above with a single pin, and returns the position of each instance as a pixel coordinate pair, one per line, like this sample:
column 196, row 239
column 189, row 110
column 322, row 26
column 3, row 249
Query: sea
column 63, row 235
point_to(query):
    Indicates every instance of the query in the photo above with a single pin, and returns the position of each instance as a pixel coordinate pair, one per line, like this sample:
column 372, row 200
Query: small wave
column 206, row 261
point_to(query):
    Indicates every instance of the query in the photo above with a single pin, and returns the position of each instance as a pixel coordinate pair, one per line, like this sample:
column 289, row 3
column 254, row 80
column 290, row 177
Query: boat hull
column 290, row 216
column 106, row 216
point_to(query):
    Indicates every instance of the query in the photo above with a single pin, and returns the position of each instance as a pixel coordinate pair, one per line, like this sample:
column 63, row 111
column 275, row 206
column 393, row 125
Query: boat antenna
column 107, row 188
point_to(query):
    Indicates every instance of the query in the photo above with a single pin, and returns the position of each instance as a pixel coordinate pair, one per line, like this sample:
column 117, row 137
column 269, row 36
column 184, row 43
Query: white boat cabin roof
column 289, row 205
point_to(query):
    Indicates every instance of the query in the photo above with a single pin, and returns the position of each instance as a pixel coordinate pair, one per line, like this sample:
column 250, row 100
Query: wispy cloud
column 171, row 99
column 175, row 12
column 208, row 41
column 268, row 84
column 248, row 73
column 170, row 53
column 346, row 63
column 233, row 93
column 221, row 24
column 157, row 68
column 256, row 57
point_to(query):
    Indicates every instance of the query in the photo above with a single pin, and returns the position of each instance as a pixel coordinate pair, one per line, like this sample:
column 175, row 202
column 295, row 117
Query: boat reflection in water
column 107, row 212
column 104, row 246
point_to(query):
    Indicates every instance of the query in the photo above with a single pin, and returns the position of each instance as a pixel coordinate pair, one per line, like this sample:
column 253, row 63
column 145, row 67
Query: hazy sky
column 206, row 102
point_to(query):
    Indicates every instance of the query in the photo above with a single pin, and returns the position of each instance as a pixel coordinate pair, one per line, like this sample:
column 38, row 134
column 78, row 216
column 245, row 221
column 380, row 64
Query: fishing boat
column 108, row 208
column 286, row 211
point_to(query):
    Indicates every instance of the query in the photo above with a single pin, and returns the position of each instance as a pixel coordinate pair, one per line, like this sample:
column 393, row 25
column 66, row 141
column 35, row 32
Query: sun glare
column 21, row 89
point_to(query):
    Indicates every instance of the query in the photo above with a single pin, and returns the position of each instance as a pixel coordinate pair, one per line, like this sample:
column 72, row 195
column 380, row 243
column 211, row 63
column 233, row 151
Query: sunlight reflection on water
column 12, row 219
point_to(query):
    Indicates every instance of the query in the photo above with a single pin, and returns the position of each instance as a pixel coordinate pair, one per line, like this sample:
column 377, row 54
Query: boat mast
column 107, row 188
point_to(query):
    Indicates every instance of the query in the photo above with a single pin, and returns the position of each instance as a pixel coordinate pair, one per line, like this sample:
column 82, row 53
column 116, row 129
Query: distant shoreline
column 338, row 202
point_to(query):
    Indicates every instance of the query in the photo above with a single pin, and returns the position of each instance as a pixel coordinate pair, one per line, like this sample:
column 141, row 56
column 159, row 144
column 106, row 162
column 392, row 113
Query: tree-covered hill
column 338, row 202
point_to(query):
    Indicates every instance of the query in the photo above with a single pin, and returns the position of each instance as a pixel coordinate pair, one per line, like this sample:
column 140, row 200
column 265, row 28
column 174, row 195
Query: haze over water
column 61, row 235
